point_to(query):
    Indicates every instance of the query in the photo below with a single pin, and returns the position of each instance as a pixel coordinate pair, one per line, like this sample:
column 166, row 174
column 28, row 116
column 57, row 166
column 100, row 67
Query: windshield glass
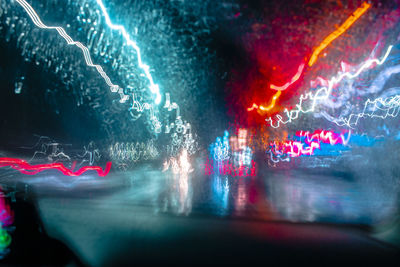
column 261, row 110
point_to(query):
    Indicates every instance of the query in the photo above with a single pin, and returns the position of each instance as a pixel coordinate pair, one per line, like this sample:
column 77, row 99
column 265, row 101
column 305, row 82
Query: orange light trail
column 270, row 106
column 339, row 31
column 329, row 39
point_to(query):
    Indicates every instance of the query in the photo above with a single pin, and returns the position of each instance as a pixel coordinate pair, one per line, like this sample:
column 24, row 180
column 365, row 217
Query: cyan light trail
column 154, row 88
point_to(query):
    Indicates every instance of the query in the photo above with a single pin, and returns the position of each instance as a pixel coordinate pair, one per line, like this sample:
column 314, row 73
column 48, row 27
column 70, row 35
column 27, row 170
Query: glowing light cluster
column 6, row 214
column 324, row 93
column 26, row 168
column 241, row 153
column 229, row 168
column 180, row 165
column 220, row 150
column 6, row 220
column 243, row 157
column 231, row 155
column 154, row 88
column 5, row 241
column 235, row 146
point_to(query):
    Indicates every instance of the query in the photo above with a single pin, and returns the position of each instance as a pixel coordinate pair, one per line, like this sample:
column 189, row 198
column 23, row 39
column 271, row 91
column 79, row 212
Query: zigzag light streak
column 26, row 168
column 37, row 21
column 376, row 86
column 328, row 137
column 154, row 88
column 294, row 148
column 390, row 106
column 287, row 149
column 324, row 92
column 280, row 157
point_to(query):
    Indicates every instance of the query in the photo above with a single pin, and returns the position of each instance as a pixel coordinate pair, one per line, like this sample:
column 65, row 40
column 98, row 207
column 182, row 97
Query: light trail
column 389, row 106
column 270, row 106
column 114, row 88
column 26, row 168
column 287, row 149
column 294, row 148
column 279, row 155
column 154, row 88
column 324, row 92
column 136, row 105
column 38, row 22
column 292, row 81
column 329, row 39
column 327, row 137
column 339, row 31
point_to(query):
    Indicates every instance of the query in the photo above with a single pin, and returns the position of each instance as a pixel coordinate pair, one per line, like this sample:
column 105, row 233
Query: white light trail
column 324, row 92
column 38, row 22
column 388, row 107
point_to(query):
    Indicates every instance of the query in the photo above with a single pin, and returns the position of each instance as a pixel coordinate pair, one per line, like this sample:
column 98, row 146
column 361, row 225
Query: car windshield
column 257, row 110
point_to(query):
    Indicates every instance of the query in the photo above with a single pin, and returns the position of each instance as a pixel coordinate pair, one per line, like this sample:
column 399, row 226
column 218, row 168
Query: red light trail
column 26, row 168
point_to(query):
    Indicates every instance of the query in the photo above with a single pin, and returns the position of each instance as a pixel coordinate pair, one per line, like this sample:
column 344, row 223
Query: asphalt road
column 127, row 215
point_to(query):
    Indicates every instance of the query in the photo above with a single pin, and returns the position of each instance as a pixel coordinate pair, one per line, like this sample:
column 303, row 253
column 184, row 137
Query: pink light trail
column 26, row 168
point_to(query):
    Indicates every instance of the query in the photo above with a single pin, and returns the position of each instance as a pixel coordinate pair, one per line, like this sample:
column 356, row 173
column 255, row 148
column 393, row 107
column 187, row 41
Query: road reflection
column 308, row 197
column 183, row 188
column 177, row 171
